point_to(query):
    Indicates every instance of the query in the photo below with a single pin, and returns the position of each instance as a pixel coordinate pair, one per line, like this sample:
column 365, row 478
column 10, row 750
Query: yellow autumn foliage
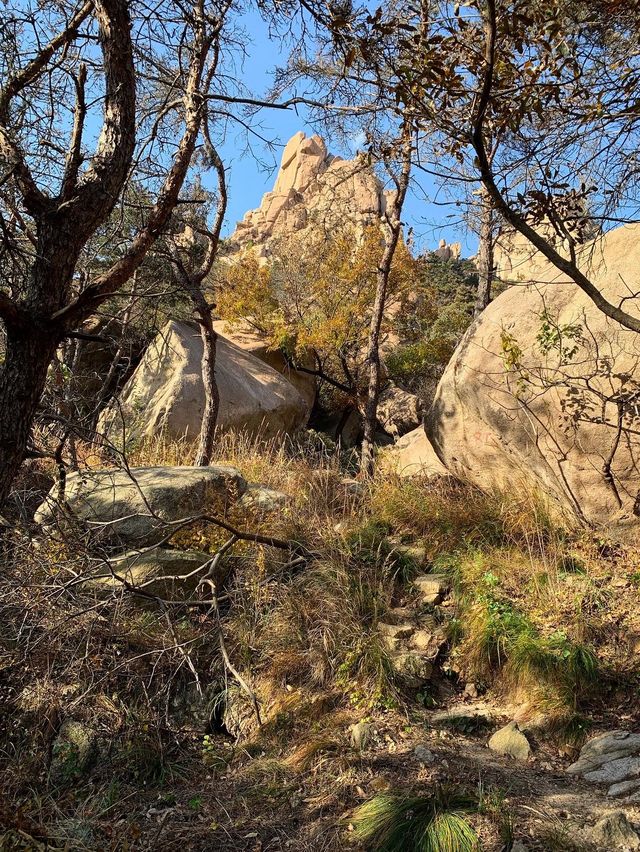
column 316, row 296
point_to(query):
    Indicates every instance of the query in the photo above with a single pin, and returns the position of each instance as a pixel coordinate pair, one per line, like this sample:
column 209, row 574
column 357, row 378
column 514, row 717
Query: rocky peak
column 313, row 192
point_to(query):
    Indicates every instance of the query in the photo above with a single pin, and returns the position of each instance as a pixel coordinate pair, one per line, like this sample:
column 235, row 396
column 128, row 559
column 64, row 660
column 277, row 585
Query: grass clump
column 394, row 822
column 321, row 629
column 501, row 639
column 444, row 516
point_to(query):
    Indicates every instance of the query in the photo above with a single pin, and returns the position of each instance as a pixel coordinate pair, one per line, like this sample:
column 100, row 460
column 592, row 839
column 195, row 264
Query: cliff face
column 314, row 192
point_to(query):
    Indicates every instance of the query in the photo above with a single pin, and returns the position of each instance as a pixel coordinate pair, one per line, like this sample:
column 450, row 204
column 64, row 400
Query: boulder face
column 413, row 455
column 165, row 395
column 251, row 342
column 314, row 191
column 135, row 508
column 543, row 391
column 399, row 411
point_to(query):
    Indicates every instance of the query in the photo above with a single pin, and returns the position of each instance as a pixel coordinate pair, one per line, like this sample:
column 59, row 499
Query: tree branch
column 569, row 268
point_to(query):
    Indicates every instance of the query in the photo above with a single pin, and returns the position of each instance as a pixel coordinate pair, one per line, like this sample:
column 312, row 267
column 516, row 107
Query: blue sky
column 248, row 179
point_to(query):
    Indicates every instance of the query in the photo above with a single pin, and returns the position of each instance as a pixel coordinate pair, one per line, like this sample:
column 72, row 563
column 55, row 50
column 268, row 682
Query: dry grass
column 537, row 614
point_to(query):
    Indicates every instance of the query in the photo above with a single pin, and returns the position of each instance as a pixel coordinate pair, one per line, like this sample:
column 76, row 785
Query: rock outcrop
column 165, row 394
column 135, row 508
column 543, row 391
column 314, row 191
column 612, row 758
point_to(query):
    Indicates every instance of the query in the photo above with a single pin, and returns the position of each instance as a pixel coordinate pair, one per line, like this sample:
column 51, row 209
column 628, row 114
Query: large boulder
column 543, row 391
column 165, row 395
column 135, row 508
column 250, row 341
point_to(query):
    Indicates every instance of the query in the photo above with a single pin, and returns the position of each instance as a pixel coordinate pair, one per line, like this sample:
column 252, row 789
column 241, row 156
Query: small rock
column 471, row 690
column 432, row 587
column 614, row 831
column 352, row 486
column 511, row 741
column 263, row 498
column 396, row 631
column 414, row 669
column 416, row 553
column 361, row 734
column 400, row 613
column 424, row 755
column 518, row 846
column 421, row 640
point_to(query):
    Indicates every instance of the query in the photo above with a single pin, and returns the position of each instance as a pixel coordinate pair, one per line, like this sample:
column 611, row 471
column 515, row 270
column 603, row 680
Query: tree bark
column 211, row 394
column 394, row 227
column 485, row 253
column 50, row 306
column 22, row 379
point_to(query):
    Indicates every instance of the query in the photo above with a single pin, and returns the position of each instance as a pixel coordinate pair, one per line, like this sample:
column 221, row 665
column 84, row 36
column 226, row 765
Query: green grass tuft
column 403, row 823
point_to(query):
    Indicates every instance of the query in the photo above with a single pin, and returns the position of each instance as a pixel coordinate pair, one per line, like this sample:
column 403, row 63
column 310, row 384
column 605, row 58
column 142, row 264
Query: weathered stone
column 165, row 394
column 413, row 668
column 399, row 411
column 264, row 499
column 521, row 403
column 413, row 455
column 134, row 508
column 74, row 750
column 432, row 587
column 414, row 552
column 424, row 755
column 612, row 758
column 471, row 690
column 615, row 832
column 251, row 342
column 605, row 748
column 422, row 640
column 353, row 486
column 313, row 192
column 615, row 771
column 167, row 573
column 360, row 735
column 624, row 788
column 510, row 741
column 396, row 631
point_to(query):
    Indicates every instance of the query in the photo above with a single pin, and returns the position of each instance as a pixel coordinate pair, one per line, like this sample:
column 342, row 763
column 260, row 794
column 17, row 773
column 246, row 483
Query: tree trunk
column 211, row 394
column 394, row 227
column 22, row 378
column 373, row 354
column 485, row 253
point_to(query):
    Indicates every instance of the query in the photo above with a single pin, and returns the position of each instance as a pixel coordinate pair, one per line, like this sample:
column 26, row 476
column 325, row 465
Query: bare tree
column 192, row 281
column 149, row 77
column 392, row 234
